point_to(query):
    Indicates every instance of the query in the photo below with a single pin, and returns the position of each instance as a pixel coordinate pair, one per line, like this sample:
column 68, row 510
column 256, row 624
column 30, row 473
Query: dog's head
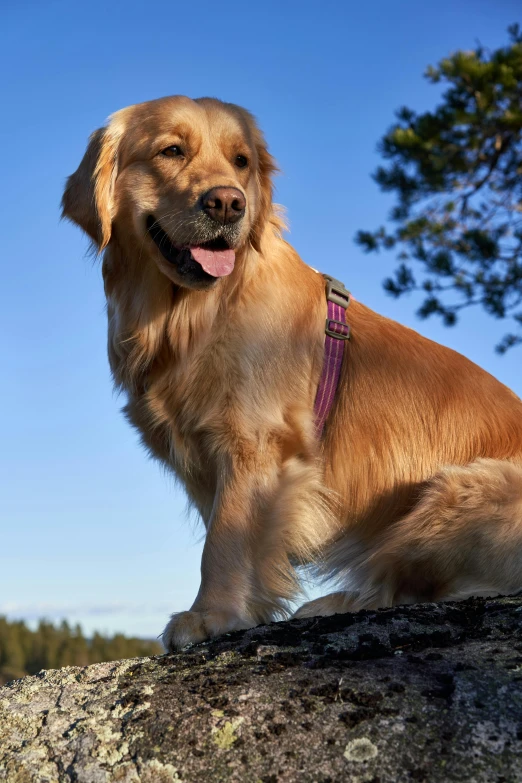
column 186, row 184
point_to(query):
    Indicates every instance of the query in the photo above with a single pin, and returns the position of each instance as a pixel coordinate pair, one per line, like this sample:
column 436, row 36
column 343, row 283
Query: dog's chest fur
column 196, row 408
column 185, row 417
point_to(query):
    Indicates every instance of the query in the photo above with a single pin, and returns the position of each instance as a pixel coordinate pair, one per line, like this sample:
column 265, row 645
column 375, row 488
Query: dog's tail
column 462, row 538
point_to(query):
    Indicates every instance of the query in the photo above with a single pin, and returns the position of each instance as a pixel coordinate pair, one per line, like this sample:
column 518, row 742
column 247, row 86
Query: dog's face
column 187, row 182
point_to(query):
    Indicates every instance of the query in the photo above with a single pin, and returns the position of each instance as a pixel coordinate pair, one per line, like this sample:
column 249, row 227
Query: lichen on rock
column 426, row 693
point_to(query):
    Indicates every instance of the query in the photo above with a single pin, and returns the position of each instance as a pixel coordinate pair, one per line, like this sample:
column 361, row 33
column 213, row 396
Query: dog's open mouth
column 216, row 257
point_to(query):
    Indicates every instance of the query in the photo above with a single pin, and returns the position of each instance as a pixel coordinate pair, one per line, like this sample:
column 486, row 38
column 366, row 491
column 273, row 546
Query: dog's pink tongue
column 217, row 263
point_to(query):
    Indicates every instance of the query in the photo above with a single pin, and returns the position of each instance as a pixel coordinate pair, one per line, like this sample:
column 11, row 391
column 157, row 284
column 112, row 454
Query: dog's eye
column 174, row 151
column 241, row 161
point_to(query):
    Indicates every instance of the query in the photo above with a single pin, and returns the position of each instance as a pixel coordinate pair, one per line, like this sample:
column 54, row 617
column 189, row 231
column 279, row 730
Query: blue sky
column 91, row 529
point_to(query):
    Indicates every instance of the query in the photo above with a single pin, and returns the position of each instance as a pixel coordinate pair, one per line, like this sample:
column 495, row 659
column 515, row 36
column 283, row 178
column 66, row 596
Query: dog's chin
column 194, row 266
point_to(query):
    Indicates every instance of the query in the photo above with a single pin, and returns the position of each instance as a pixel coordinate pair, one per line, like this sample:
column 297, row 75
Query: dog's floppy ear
column 266, row 169
column 88, row 199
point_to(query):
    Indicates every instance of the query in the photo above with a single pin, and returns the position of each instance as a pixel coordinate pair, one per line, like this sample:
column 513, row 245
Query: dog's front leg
column 224, row 601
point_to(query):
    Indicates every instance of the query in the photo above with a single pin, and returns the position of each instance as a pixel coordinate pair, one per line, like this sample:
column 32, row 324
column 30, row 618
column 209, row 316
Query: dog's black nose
column 224, row 205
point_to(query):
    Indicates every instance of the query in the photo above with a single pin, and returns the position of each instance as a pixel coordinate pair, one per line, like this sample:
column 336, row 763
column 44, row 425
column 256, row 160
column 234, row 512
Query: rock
column 419, row 693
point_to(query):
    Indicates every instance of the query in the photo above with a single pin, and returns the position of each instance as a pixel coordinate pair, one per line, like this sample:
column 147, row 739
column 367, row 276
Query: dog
column 216, row 336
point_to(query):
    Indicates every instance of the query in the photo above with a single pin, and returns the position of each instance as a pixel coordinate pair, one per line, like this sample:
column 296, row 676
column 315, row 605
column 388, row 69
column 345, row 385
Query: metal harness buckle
column 345, row 335
column 337, row 293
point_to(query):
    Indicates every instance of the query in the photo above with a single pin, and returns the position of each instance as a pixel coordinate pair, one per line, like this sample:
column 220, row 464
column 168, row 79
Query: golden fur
column 415, row 491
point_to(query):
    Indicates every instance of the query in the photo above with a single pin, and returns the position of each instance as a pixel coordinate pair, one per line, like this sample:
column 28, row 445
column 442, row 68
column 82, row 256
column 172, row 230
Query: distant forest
column 23, row 651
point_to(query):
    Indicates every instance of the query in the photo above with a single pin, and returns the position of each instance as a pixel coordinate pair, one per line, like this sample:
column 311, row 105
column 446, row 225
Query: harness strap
column 337, row 332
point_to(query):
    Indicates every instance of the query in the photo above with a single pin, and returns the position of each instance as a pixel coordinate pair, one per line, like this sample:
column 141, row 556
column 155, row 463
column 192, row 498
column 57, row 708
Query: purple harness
column 337, row 331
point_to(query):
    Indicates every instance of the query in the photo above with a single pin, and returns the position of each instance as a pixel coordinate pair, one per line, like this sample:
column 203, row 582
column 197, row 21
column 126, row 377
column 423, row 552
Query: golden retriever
column 216, row 336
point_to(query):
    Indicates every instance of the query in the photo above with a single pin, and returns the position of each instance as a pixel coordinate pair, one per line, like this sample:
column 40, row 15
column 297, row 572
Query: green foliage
column 23, row 651
column 457, row 176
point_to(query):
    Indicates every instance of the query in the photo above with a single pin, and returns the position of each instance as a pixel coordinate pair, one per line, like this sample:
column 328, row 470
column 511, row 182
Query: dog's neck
column 153, row 323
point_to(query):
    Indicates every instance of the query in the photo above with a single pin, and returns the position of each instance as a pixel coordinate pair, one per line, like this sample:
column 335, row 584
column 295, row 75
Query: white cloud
column 54, row 611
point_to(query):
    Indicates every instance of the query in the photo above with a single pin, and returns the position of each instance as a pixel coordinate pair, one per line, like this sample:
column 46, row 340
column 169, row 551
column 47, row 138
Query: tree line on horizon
column 23, row 651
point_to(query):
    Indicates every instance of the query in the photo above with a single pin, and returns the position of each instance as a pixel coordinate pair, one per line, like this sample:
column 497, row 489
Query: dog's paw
column 191, row 627
column 335, row 603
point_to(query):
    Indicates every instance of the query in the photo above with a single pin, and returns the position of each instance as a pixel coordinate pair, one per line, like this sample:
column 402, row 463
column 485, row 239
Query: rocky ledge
column 418, row 693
